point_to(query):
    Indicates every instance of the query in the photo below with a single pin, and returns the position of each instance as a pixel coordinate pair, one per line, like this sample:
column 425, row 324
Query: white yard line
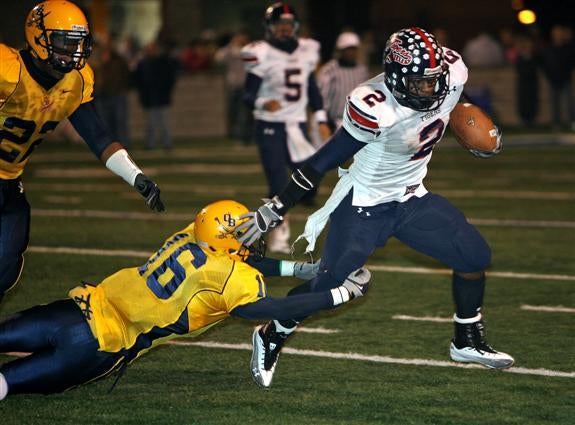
column 426, row 270
column 260, row 189
column 423, row 318
column 318, row 330
column 123, row 215
column 372, row 267
column 548, row 308
column 375, row 358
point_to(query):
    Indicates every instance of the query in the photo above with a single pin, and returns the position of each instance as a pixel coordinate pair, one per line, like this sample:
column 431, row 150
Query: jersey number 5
column 294, row 87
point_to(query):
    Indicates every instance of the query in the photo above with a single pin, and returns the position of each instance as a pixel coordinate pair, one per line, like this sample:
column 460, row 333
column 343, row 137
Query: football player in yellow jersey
column 200, row 276
column 40, row 86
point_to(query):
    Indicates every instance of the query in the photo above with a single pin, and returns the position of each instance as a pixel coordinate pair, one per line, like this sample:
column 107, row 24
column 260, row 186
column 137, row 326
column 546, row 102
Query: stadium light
column 526, row 17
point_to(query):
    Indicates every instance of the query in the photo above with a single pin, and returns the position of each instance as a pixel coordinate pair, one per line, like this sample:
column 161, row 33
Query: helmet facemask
column 68, row 50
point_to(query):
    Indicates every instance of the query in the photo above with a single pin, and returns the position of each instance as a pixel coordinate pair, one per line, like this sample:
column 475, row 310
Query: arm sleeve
column 314, row 95
column 266, row 266
column 251, row 88
column 90, row 126
column 285, row 308
column 341, row 147
column 336, row 151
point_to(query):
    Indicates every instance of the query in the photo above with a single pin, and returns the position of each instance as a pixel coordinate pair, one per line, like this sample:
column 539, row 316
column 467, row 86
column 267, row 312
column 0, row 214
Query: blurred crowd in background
column 121, row 65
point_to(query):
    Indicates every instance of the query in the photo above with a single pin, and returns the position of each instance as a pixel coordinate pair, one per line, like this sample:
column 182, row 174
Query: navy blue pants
column 14, row 232
column 64, row 351
column 430, row 225
column 271, row 138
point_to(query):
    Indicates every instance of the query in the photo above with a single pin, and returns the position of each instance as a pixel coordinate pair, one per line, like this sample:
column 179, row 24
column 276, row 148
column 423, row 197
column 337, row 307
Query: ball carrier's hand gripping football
column 474, row 130
column 483, row 154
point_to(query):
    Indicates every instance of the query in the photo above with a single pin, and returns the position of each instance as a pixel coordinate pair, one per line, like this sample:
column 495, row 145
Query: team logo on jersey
column 399, row 54
column 410, row 189
column 47, row 102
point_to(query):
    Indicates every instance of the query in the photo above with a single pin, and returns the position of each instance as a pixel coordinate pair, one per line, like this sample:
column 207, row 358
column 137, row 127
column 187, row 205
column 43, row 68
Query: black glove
column 150, row 191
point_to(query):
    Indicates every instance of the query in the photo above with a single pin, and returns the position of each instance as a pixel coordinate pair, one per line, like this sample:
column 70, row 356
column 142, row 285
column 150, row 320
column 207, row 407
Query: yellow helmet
column 57, row 32
column 215, row 228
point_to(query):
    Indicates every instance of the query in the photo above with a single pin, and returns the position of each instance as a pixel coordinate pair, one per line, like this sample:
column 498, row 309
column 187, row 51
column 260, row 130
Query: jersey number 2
column 429, row 136
column 27, row 128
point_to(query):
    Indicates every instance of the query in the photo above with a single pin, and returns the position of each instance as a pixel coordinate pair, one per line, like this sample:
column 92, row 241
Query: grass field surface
column 366, row 367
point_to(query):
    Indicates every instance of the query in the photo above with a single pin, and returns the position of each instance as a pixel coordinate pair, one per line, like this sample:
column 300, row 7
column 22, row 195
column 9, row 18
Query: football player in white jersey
column 390, row 125
column 280, row 84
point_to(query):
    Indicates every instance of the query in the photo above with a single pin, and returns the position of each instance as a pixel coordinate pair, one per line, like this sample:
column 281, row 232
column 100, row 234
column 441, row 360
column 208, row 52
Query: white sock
column 3, row 387
column 466, row 321
column 283, row 329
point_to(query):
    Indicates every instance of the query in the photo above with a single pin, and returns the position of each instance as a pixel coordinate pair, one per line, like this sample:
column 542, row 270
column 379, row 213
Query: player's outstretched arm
column 336, row 151
column 89, row 125
column 273, row 267
column 303, row 305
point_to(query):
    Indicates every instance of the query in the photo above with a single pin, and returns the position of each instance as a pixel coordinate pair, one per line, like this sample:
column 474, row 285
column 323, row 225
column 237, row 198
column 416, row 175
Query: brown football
column 472, row 128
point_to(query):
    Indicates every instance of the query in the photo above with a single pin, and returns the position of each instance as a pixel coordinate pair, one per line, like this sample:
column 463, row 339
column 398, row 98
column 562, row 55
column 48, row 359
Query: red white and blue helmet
column 280, row 12
column 410, row 56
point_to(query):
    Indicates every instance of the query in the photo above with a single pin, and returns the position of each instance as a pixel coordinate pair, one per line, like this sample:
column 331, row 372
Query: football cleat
column 469, row 346
column 267, row 344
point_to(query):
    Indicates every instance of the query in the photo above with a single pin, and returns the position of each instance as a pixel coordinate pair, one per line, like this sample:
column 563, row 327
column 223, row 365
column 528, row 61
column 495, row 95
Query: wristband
column 122, row 165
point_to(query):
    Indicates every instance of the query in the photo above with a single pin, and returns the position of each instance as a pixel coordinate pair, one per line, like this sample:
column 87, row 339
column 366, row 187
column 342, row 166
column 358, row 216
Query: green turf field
column 374, row 368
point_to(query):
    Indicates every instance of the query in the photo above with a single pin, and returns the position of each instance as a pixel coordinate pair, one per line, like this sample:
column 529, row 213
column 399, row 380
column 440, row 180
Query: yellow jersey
column 28, row 111
column 181, row 289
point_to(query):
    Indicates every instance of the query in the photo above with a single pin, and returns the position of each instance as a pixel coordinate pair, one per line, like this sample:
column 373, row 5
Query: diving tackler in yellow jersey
column 194, row 281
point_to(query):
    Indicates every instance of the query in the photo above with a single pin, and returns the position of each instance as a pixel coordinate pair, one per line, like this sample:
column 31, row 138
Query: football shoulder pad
column 457, row 69
column 253, row 55
column 9, row 71
column 87, row 74
column 368, row 111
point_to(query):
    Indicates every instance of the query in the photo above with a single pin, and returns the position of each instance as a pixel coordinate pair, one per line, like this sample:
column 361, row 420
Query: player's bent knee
column 475, row 254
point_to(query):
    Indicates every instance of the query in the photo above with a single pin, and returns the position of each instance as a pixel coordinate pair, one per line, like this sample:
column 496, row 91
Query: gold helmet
column 57, row 32
column 215, row 228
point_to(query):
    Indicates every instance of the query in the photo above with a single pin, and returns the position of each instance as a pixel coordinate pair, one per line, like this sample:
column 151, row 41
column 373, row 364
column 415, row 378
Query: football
column 473, row 128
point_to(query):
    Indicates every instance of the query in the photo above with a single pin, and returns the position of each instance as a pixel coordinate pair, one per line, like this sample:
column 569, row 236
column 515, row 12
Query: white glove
column 354, row 286
column 306, row 271
column 259, row 222
column 498, row 147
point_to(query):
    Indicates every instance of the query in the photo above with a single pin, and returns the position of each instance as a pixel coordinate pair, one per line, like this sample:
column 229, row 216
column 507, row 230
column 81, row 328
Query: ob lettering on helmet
column 57, row 32
column 415, row 71
column 215, row 230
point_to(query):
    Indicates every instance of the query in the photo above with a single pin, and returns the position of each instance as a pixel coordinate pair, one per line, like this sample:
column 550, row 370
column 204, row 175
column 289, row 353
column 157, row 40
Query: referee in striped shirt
column 341, row 75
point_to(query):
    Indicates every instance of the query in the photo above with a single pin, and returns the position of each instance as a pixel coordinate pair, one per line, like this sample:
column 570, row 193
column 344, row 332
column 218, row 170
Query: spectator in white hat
column 340, row 75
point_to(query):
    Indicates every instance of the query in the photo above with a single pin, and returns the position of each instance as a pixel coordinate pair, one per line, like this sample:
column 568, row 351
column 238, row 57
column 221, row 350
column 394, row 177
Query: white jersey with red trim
column 284, row 77
column 400, row 141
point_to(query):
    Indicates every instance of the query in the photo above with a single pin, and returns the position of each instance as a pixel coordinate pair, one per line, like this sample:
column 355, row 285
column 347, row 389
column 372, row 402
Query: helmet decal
column 399, row 54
